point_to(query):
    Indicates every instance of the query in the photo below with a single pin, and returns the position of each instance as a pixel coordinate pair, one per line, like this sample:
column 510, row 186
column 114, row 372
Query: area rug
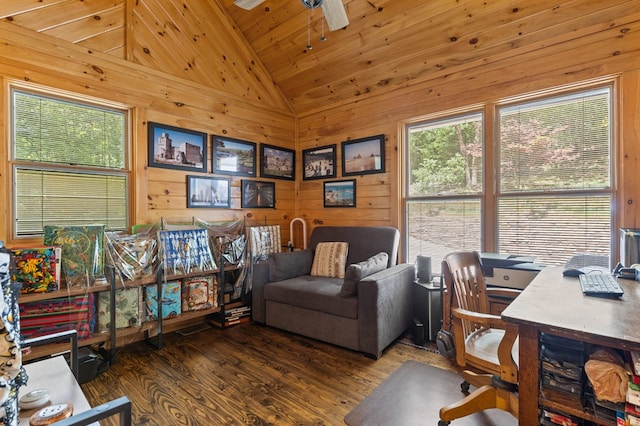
column 413, row 394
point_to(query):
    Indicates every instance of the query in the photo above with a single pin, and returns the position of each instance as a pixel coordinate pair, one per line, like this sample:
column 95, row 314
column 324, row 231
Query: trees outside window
column 547, row 190
column 69, row 162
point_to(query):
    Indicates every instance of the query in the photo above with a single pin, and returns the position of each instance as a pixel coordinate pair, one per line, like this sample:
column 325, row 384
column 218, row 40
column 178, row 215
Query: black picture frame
column 340, row 193
column 172, row 147
column 208, row 192
column 363, row 156
column 277, row 162
column 233, row 156
column 319, row 163
column 258, row 194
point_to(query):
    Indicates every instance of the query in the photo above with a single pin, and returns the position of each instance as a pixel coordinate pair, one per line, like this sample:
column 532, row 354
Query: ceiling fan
column 333, row 10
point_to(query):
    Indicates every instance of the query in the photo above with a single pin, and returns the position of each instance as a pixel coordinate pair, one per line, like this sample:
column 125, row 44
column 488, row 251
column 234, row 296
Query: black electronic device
column 572, row 272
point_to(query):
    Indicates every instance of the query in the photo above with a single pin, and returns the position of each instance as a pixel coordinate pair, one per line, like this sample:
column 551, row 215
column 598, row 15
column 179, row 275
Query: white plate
column 33, row 399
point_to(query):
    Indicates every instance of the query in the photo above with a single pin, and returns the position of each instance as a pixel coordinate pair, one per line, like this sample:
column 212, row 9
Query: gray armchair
column 286, row 296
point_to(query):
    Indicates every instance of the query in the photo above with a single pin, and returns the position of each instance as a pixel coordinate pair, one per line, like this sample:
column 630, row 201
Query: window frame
column 14, row 165
column 489, row 232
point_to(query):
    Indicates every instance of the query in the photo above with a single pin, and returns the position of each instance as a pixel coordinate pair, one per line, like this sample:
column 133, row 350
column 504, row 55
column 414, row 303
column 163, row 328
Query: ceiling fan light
column 312, row 4
column 247, row 4
column 335, row 14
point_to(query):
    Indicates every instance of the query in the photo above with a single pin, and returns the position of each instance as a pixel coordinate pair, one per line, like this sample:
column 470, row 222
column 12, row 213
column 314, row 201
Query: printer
column 506, row 270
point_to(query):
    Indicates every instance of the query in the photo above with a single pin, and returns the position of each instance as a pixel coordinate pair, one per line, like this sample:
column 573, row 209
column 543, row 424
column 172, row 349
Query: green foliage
column 446, row 159
column 55, row 131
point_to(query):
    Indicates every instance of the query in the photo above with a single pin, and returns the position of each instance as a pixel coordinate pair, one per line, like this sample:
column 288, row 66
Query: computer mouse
column 572, row 272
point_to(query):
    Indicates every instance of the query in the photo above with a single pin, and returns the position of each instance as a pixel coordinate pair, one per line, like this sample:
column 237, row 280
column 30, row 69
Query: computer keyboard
column 600, row 285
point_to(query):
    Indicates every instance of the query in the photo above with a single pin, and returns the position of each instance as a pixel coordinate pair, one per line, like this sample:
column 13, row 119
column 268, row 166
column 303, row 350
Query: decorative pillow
column 330, row 259
column 288, row 264
column 358, row 271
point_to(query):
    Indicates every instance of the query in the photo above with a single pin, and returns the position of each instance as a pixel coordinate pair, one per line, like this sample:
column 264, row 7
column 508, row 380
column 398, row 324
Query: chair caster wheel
column 443, row 423
column 464, row 387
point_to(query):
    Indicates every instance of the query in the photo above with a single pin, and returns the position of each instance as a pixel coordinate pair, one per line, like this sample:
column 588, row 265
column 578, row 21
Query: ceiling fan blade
column 335, row 14
column 247, row 4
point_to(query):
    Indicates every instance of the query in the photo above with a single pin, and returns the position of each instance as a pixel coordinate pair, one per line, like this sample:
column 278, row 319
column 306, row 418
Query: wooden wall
column 612, row 52
column 228, row 92
column 153, row 95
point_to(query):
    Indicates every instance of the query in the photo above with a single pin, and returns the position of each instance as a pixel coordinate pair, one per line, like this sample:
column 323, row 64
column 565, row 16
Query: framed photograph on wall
column 233, row 156
column 208, row 192
column 175, row 148
column 363, row 156
column 319, row 163
column 276, row 162
column 340, row 193
column 258, row 194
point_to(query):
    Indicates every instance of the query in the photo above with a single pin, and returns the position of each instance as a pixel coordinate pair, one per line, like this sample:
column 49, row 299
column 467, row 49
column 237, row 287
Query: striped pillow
column 329, row 260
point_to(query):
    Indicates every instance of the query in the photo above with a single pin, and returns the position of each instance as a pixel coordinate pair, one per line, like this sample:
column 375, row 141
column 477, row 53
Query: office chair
column 486, row 347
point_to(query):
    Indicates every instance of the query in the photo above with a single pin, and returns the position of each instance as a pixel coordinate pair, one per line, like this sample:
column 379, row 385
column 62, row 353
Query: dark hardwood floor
column 248, row 374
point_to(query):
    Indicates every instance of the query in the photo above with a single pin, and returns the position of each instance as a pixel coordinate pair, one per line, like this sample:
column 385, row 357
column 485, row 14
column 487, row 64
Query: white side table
column 54, row 375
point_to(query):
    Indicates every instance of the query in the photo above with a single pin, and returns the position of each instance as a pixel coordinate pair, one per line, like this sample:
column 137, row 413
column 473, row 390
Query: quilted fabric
column 128, row 308
column 199, row 293
column 59, row 314
column 329, row 259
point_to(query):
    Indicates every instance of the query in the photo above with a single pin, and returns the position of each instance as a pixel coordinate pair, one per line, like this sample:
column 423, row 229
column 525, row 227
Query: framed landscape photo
column 233, row 156
column 319, row 163
column 175, row 148
column 208, row 192
column 363, row 156
column 276, row 162
column 340, row 193
column 258, row 194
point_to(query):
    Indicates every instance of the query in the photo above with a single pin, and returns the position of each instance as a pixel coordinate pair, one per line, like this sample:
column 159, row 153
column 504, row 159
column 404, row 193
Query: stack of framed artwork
column 182, row 149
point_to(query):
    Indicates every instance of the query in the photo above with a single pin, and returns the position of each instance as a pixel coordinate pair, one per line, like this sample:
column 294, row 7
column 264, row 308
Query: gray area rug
column 413, row 394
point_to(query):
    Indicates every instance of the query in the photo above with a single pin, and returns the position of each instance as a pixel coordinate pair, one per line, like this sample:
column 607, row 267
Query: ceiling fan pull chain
column 309, row 46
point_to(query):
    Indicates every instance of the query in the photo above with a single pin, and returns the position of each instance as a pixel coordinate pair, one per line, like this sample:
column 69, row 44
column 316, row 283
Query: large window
column 69, row 162
column 546, row 190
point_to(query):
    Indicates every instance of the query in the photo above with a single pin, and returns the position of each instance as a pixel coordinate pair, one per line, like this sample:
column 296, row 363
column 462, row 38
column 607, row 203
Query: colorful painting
column 59, row 314
column 185, row 251
column 170, row 300
column 199, row 293
column 37, row 268
column 128, row 308
column 82, row 252
column 340, row 193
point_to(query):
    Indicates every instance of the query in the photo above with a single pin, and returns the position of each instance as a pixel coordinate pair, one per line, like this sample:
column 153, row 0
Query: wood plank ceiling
column 388, row 44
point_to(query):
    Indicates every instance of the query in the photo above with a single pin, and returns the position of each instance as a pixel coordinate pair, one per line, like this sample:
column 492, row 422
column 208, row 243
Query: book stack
column 561, row 366
column 233, row 316
column 632, row 406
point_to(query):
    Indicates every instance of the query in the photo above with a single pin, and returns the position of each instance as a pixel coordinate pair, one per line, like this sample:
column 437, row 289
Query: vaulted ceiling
column 393, row 43
column 262, row 54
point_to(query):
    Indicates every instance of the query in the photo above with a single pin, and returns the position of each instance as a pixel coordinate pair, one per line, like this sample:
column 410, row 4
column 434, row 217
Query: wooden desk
column 55, row 375
column 555, row 304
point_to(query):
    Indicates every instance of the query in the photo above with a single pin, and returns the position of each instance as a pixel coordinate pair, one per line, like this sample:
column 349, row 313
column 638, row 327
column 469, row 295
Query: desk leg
column 528, row 374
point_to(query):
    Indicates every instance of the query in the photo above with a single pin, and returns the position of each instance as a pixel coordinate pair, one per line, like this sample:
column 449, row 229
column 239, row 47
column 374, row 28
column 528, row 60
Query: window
column 69, row 162
column 444, row 186
column 551, row 191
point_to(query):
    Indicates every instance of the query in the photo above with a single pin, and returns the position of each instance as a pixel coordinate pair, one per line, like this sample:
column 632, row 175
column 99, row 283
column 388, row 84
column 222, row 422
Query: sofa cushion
column 329, row 259
column 315, row 293
column 360, row 270
column 288, row 264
